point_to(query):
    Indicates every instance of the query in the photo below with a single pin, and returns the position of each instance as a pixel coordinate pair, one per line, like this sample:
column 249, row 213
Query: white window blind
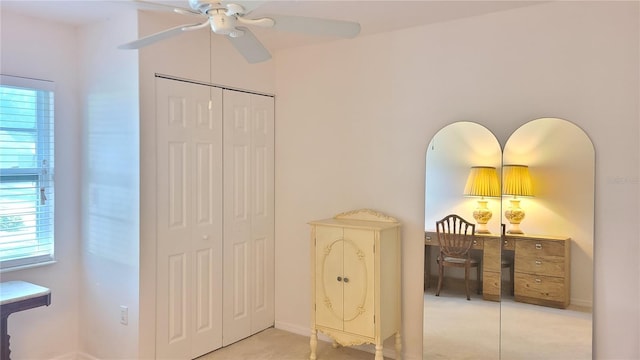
column 26, row 172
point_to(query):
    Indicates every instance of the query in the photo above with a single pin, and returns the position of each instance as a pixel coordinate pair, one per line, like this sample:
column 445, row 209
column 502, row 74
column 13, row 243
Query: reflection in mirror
column 549, row 317
column 455, row 328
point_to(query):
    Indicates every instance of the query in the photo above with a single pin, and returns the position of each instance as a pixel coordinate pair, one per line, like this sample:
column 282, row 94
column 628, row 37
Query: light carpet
column 275, row 344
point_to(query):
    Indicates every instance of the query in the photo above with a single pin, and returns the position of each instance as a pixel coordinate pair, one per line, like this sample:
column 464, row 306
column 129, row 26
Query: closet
column 214, row 216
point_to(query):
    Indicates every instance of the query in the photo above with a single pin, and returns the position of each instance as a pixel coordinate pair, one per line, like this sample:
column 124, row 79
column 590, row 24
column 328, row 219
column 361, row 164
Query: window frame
column 42, row 174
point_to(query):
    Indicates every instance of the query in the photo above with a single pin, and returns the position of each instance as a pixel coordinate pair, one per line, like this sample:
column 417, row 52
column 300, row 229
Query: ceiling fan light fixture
column 236, row 33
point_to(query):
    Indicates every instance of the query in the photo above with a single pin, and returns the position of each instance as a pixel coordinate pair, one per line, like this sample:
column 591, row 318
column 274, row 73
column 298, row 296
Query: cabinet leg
column 379, row 352
column 313, row 344
column 398, row 346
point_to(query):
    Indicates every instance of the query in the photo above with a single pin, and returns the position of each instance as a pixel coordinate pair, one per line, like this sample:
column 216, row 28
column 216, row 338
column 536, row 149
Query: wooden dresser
column 542, row 270
column 356, row 283
column 542, row 266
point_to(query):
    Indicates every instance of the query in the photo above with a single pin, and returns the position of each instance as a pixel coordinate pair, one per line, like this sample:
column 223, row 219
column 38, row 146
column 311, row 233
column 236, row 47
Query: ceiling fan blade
column 250, row 47
column 248, row 5
column 315, row 26
column 165, row 34
column 159, row 5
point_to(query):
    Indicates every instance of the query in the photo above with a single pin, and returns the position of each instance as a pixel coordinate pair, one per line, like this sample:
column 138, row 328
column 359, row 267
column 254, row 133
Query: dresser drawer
column 431, row 238
column 508, row 244
column 541, row 257
column 477, row 244
column 491, row 286
column 541, row 248
column 541, row 290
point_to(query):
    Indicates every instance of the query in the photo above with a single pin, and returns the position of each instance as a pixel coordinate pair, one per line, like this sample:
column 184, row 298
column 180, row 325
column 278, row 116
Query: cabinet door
column 359, row 276
column 329, row 276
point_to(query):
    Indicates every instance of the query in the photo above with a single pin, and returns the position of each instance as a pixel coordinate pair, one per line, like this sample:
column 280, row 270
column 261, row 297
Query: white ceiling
column 374, row 16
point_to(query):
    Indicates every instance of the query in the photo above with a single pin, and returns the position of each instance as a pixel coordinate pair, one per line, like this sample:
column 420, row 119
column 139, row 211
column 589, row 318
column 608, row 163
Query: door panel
column 248, row 208
column 262, row 214
column 189, row 219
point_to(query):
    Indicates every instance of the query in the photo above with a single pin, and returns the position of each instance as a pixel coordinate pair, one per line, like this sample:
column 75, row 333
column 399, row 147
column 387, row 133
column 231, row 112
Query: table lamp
column 482, row 182
column 517, row 182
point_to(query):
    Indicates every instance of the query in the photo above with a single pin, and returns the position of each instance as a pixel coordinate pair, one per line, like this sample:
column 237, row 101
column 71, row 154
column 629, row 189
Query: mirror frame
column 586, row 195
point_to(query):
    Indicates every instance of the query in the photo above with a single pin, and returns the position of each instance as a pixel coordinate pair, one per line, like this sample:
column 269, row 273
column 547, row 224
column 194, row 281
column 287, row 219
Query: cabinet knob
column 538, row 246
column 205, row 237
column 339, row 278
column 346, row 280
column 538, row 262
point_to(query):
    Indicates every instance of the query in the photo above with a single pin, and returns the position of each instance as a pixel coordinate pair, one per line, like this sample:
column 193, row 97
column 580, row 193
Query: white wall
column 46, row 50
column 352, row 131
column 110, row 186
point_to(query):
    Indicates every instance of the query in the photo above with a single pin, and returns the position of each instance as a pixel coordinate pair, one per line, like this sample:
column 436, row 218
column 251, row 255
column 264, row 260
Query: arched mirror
column 549, row 316
column 454, row 327
column 536, row 269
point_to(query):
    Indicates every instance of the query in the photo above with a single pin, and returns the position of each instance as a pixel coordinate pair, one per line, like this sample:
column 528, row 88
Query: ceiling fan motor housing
column 223, row 24
column 204, row 5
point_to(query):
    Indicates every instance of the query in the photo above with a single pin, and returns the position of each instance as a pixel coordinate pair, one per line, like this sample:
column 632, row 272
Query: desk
column 541, row 266
column 18, row 296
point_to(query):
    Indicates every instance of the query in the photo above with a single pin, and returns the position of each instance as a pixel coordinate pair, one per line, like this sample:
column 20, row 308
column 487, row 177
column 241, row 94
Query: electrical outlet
column 124, row 315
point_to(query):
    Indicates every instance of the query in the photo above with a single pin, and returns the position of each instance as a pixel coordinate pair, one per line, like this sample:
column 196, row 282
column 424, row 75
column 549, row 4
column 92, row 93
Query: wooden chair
column 455, row 237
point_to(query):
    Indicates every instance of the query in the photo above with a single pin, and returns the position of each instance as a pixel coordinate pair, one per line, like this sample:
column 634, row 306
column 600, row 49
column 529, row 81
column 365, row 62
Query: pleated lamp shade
column 482, row 181
column 517, row 181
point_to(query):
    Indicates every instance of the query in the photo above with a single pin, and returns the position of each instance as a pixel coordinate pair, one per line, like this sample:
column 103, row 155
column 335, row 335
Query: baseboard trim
column 69, row 356
column 85, row 356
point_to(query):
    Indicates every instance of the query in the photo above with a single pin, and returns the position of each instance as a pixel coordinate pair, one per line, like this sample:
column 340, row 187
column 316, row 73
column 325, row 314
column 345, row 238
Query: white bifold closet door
column 189, row 219
column 248, row 214
column 215, row 222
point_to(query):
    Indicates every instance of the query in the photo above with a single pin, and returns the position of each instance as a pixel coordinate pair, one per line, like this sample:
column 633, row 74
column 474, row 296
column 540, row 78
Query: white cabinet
column 355, row 268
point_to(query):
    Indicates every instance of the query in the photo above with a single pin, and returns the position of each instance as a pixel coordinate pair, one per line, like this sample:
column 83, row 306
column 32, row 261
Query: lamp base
column 482, row 229
column 515, row 229
column 482, row 215
column 515, row 215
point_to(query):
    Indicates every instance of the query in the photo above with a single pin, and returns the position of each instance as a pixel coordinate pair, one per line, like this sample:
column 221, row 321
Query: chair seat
column 458, row 260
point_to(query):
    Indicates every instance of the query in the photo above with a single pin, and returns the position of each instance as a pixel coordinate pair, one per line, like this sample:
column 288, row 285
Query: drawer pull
column 538, row 246
column 538, row 281
column 538, row 262
column 427, row 238
column 506, row 242
column 475, row 242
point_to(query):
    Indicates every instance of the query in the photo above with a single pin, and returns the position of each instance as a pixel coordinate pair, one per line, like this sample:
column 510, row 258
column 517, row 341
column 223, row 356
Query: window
column 26, row 172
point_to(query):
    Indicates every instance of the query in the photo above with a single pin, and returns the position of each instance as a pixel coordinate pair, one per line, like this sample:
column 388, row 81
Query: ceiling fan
column 229, row 18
